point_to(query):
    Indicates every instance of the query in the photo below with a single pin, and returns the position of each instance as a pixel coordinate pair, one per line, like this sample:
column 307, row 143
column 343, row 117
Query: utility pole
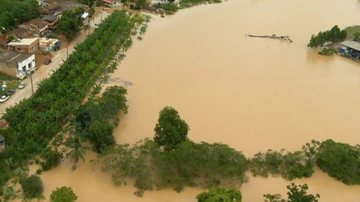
column 32, row 85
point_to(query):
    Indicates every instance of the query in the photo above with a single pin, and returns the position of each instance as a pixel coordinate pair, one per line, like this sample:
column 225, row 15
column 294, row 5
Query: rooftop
column 23, row 42
column 12, row 58
column 352, row 44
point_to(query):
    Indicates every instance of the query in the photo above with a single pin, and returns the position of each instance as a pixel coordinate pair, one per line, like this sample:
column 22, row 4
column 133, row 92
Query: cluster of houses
column 18, row 56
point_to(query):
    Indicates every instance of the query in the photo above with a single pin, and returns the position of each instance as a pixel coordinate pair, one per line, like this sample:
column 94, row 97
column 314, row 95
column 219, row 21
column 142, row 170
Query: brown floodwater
column 250, row 93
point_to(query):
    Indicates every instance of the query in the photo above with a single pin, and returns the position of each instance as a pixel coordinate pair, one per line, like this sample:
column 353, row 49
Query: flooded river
column 250, row 93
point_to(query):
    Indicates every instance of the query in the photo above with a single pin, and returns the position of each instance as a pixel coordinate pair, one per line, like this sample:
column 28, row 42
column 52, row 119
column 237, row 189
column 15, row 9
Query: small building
column 29, row 45
column 2, row 143
column 23, row 33
column 38, row 25
column 350, row 49
column 49, row 45
column 17, row 64
column 110, row 3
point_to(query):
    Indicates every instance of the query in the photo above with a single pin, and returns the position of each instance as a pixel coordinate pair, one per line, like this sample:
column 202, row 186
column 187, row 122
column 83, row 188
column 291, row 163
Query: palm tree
column 77, row 151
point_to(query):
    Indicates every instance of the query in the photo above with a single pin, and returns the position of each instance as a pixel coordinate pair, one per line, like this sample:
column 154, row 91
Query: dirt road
column 44, row 71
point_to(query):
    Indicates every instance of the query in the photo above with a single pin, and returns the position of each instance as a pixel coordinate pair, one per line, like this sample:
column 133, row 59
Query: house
column 350, row 49
column 23, row 33
column 49, row 45
column 29, row 45
column 110, row 3
column 38, row 25
column 17, row 64
column 52, row 20
column 2, row 143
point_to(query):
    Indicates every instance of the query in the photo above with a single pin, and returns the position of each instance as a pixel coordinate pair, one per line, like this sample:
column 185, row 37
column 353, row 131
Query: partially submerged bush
column 32, row 187
column 340, row 160
column 63, row 194
column 220, row 195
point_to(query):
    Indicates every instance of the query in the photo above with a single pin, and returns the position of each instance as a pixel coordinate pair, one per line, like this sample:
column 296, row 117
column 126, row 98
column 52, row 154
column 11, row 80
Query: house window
column 29, row 65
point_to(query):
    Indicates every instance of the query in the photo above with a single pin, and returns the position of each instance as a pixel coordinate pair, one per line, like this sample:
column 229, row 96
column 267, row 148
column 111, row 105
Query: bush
column 169, row 8
column 333, row 35
column 63, row 194
column 32, row 187
column 290, row 165
column 339, row 160
column 51, row 158
column 296, row 193
column 220, row 195
column 190, row 164
column 190, row 3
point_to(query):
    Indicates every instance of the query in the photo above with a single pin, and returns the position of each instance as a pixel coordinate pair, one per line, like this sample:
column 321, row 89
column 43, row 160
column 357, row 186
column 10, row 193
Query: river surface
column 250, row 93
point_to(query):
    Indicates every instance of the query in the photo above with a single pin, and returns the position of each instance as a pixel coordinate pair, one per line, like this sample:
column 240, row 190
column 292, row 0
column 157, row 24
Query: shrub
column 51, row 158
column 296, row 193
column 32, row 187
column 63, row 194
column 220, row 195
column 340, row 160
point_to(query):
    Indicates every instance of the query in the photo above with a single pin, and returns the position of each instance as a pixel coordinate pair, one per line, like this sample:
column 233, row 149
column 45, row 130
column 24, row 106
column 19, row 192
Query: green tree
column 77, row 150
column 70, row 23
column 170, row 129
column 63, row 194
column 32, row 186
column 220, row 195
column 296, row 193
column 357, row 36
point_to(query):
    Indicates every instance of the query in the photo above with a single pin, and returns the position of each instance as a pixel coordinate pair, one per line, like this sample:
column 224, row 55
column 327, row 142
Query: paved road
column 44, row 71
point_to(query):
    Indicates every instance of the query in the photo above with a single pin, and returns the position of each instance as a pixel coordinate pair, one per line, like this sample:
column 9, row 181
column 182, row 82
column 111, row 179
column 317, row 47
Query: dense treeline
column 35, row 121
column 191, row 3
column 333, row 35
column 14, row 12
column 97, row 118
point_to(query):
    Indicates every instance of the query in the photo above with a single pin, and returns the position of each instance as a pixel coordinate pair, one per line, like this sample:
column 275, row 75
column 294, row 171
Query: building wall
column 26, row 65
column 32, row 48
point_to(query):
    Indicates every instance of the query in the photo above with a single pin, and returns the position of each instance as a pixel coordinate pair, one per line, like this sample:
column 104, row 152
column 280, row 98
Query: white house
column 17, row 64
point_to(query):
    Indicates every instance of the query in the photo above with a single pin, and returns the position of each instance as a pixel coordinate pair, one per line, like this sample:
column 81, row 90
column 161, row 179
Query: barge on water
column 350, row 49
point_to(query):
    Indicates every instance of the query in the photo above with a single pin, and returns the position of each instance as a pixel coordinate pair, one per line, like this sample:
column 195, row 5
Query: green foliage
column 141, row 4
column 191, row 3
column 296, row 193
column 35, row 121
column 190, row 164
column 32, row 187
column 51, row 158
column 290, row 165
column 170, row 129
column 63, row 194
column 97, row 118
column 220, row 195
column 77, row 150
column 70, row 23
column 87, row 2
column 169, row 8
column 328, row 51
column 339, row 160
column 357, row 36
column 9, row 193
column 14, row 12
column 333, row 35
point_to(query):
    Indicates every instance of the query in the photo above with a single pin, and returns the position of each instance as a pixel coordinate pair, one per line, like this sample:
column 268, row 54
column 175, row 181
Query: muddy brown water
column 252, row 94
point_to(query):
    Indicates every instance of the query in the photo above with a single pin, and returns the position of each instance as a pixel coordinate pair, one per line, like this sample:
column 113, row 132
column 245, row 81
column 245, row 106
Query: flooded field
column 250, row 93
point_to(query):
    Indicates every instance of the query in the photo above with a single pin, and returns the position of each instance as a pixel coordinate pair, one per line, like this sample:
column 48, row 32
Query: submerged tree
column 296, row 193
column 220, row 195
column 77, row 151
column 63, row 194
column 170, row 129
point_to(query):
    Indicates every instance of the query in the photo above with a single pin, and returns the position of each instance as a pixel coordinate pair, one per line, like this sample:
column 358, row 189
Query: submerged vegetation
column 220, row 194
column 296, row 193
column 35, row 121
column 334, row 35
column 191, row 3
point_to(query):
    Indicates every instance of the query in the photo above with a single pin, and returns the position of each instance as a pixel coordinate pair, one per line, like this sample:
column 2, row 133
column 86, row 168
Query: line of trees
column 14, row 12
column 35, row 121
column 333, row 35
column 172, row 160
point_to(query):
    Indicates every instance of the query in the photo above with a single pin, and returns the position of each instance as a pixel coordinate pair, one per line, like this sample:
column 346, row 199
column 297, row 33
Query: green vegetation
column 190, row 164
column 34, row 122
column 295, row 194
column 328, row 51
column 290, row 165
column 32, row 187
column 51, row 158
column 63, row 194
column 97, row 118
column 169, row 8
column 352, row 30
column 170, row 129
column 70, row 23
column 334, row 35
column 191, row 3
column 14, row 12
column 339, row 160
column 220, row 195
